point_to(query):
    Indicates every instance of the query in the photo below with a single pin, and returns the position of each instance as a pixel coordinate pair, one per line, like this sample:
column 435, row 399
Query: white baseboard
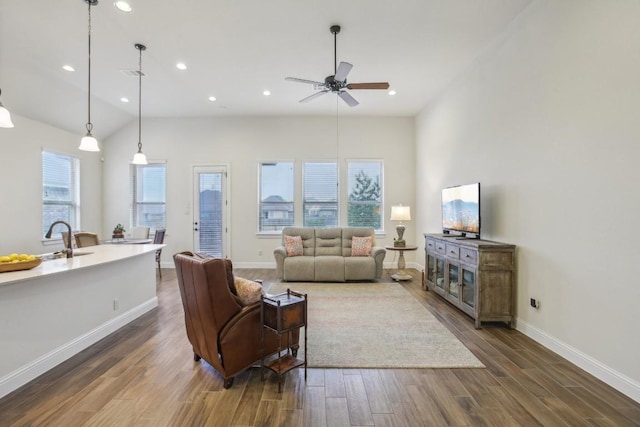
column 615, row 379
column 272, row 264
column 37, row 367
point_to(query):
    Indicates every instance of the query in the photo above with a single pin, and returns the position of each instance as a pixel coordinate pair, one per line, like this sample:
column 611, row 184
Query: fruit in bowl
column 13, row 258
column 14, row 262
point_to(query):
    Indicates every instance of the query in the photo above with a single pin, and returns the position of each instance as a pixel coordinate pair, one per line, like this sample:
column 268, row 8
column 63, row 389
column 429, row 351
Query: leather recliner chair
column 221, row 330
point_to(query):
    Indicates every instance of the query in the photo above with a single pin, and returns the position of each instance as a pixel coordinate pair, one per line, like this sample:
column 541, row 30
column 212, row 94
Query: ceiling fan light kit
column 337, row 83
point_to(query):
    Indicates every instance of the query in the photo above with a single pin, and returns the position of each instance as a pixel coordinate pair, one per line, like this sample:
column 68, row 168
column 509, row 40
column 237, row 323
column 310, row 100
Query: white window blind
column 60, row 191
column 276, row 196
column 148, row 184
column 320, row 194
column 364, row 183
column 211, row 202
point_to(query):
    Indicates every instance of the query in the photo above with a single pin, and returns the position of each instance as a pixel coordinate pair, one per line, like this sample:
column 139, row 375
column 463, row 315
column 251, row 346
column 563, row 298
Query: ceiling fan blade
column 314, row 96
column 342, row 71
column 295, row 79
column 377, row 85
column 350, row 100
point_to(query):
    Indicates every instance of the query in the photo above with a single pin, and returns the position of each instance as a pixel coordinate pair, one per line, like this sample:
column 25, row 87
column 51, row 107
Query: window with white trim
column 60, row 191
column 320, row 202
column 364, row 198
column 149, row 195
column 276, row 196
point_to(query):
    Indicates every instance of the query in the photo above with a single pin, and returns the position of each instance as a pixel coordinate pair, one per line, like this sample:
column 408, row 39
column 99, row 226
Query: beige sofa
column 327, row 256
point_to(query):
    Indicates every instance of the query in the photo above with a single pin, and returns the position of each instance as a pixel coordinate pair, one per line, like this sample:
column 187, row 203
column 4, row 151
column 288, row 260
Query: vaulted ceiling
column 234, row 50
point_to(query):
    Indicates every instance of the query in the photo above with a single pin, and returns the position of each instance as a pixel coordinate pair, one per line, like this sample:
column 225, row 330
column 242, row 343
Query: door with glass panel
column 210, row 229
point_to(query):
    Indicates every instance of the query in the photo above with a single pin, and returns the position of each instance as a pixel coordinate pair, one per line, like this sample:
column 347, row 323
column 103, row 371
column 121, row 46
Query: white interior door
column 210, row 228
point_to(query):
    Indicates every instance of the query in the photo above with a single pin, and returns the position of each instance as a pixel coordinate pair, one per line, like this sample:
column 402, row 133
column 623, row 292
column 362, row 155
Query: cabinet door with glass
column 453, row 283
column 435, row 273
column 468, row 301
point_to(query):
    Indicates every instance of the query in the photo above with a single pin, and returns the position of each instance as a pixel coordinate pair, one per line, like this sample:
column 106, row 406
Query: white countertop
column 97, row 255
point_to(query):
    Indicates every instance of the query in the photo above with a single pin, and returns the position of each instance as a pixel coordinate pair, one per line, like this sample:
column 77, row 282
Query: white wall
column 547, row 121
column 241, row 143
column 21, row 183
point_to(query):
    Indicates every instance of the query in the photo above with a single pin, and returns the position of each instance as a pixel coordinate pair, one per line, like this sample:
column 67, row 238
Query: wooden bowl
column 21, row 265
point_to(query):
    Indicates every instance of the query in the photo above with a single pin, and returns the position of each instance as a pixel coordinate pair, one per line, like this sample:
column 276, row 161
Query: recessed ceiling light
column 392, row 92
column 123, row 6
column 124, row 99
column 68, row 68
column 181, row 66
column 212, row 98
column 266, row 93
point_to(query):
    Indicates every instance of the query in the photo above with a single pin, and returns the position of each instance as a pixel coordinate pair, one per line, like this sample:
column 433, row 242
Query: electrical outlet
column 260, row 252
column 534, row 303
column 116, row 304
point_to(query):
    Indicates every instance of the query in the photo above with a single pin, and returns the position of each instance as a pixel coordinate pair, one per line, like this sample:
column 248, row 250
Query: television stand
column 476, row 276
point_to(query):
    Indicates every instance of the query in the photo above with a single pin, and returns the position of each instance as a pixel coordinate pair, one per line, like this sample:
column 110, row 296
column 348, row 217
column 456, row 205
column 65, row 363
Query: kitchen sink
column 75, row 254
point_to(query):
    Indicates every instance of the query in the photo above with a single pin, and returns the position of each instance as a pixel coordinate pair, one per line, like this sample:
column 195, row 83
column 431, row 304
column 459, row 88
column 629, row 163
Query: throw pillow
column 361, row 246
column 293, row 245
column 248, row 290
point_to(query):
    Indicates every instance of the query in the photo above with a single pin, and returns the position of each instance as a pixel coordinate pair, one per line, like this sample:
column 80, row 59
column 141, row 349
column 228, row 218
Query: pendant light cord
column 89, row 124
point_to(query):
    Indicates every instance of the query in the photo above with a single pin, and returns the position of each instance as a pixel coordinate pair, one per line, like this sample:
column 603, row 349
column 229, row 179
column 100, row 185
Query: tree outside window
column 365, row 194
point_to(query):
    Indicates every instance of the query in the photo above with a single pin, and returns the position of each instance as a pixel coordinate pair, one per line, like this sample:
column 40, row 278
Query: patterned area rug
column 374, row 325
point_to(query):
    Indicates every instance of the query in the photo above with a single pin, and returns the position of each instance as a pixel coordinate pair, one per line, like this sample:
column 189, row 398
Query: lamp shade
column 5, row 117
column 400, row 213
column 139, row 158
column 89, row 143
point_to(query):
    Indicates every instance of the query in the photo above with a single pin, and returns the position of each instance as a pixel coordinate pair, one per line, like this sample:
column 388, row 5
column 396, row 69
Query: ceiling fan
column 337, row 83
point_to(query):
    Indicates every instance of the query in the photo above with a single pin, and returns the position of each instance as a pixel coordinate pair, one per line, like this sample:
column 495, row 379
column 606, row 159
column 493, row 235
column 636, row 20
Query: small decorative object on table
column 118, row 232
column 283, row 314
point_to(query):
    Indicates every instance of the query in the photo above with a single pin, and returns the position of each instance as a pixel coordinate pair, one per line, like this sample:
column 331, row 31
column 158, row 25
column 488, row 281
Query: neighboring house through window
column 149, row 188
column 60, row 191
column 276, row 196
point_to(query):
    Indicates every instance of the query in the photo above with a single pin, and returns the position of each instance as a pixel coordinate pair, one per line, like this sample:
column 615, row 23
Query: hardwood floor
column 144, row 375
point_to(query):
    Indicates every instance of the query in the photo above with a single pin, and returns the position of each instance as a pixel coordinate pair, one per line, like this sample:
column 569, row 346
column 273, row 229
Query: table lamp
column 400, row 213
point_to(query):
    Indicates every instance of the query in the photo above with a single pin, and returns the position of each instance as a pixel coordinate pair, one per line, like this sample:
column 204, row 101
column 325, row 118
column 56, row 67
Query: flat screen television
column 461, row 210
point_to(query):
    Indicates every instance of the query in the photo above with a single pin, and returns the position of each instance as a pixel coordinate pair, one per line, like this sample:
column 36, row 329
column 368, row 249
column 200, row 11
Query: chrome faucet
column 69, row 249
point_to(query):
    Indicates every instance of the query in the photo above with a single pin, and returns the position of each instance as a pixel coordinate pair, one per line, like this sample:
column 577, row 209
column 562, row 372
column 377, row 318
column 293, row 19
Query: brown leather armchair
column 221, row 330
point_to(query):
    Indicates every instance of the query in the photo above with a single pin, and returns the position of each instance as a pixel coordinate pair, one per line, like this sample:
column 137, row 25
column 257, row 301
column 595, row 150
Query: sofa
column 328, row 255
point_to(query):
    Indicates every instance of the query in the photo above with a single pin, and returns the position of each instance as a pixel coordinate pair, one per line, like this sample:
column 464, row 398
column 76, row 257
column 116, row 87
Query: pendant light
column 139, row 158
column 5, row 117
column 88, row 142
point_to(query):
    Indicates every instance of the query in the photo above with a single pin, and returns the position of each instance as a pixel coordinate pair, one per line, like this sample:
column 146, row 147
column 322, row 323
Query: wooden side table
column 282, row 314
column 401, row 274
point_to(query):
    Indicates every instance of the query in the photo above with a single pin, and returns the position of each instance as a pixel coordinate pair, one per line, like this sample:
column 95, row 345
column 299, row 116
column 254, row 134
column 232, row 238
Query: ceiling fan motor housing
column 331, row 83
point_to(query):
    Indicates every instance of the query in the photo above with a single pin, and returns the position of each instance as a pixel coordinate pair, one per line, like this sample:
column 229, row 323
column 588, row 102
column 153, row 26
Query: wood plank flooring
column 144, row 375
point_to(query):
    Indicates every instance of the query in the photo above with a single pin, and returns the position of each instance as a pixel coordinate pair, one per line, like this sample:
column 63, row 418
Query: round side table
column 401, row 274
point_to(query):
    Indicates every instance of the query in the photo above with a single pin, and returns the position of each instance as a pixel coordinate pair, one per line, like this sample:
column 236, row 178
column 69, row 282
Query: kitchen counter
column 82, row 258
column 62, row 306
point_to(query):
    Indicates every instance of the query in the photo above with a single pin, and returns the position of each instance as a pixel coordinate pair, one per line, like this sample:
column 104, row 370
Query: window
column 364, row 184
column 60, row 190
column 276, row 196
column 320, row 194
column 148, row 183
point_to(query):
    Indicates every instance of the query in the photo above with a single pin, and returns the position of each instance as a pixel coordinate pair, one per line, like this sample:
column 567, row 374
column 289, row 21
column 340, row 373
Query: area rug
column 374, row 325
